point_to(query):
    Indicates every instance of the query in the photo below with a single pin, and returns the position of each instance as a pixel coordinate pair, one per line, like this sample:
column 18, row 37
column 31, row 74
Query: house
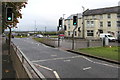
column 94, row 22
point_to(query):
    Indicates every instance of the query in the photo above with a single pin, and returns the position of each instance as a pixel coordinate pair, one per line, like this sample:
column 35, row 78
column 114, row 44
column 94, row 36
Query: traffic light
column 9, row 14
column 60, row 22
column 74, row 20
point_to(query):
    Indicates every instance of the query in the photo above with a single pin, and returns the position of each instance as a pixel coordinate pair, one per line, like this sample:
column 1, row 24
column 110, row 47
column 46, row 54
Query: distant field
column 105, row 52
column 54, row 36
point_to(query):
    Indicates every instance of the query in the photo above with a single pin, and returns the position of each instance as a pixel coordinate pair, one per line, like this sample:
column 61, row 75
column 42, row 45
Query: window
column 101, row 16
column 118, row 23
column 68, row 33
column 109, row 24
column 88, row 23
column 90, row 33
column 109, row 16
column 68, row 24
column 118, row 15
column 101, row 24
column 92, row 23
column 93, row 17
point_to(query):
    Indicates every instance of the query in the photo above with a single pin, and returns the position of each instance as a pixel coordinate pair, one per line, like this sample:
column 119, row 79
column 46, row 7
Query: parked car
column 39, row 36
column 109, row 36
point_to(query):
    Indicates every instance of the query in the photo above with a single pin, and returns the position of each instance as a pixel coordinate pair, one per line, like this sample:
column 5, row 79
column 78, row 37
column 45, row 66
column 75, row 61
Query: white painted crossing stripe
column 87, row 68
column 57, row 59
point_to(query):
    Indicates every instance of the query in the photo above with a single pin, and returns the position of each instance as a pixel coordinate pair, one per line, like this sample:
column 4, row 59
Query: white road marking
column 87, row 59
column 53, row 55
column 100, row 63
column 106, row 65
column 67, row 60
column 57, row 59
column 56, row 75
column 87, row 68
column 43, row 67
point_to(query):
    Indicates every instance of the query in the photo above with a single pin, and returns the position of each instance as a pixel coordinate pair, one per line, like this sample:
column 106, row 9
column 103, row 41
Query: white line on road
column 66, row 60
column 87, row 59
column 87, row 68
column 57, row 59
column 100, row 63
column 43, row 67
column 106, row 65
column 54, row 55
column 55, row 73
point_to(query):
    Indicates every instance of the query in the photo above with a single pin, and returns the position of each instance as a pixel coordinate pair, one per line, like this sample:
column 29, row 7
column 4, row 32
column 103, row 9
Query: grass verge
column 104, row 52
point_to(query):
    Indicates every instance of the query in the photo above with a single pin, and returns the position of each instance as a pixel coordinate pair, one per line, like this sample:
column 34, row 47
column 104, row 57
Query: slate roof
column 108, row 10
column 71, row 16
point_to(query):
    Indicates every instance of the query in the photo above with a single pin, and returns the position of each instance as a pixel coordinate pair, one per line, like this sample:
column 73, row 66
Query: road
column 64, row 64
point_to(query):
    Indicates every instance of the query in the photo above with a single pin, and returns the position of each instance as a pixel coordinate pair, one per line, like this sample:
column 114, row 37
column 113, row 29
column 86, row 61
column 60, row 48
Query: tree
column 17, row 6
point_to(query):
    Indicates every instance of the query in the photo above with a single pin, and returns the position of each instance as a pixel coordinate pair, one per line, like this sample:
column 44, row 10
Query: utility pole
column 45, row 30
column 83, row 21
column 35, row 28
column 59, row 29
column 63, row 22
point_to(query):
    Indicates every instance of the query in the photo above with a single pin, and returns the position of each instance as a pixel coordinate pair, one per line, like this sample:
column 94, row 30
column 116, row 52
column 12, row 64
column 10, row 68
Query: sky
column 39, row 14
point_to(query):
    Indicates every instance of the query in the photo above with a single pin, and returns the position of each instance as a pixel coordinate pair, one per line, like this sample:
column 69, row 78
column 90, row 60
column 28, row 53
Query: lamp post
column 83, row 21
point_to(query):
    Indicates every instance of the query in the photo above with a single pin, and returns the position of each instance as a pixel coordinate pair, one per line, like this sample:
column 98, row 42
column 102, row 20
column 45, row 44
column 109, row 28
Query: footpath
column 8, row 71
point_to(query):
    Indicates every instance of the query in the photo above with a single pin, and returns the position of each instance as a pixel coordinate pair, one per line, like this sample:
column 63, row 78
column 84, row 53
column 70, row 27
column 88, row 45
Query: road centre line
column 57, row 59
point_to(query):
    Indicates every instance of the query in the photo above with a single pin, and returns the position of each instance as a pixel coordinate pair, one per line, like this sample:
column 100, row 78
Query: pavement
column 8, row 71
column 65, row 64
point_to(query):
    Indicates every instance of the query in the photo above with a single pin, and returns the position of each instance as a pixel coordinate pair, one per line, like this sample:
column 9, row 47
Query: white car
column 39, row 36
column 109, row 36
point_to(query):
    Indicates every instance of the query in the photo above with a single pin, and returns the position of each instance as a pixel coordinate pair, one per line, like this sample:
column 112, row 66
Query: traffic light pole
column 9, row 40
column 75, row 23
column 73, row 40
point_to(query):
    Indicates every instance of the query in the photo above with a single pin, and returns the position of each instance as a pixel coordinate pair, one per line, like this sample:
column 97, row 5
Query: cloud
column 47, row 12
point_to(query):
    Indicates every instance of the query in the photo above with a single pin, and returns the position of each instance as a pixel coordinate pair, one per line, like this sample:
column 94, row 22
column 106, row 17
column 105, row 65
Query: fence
column 49, row 41
column 23, row 67
column 78, row 43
